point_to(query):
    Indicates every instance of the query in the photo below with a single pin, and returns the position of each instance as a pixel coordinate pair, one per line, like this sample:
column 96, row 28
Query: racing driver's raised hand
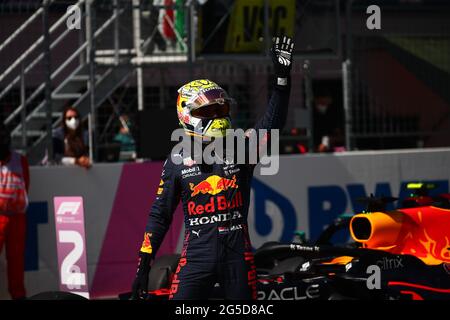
column 281, row 51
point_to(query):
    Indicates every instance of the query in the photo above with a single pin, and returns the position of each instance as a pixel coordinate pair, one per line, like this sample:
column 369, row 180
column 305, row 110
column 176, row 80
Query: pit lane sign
column 71, row 245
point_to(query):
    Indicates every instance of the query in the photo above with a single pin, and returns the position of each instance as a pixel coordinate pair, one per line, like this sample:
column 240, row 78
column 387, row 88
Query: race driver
column 215, row 197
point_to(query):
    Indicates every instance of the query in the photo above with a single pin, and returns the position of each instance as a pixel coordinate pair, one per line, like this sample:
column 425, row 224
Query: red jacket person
column 14, row 183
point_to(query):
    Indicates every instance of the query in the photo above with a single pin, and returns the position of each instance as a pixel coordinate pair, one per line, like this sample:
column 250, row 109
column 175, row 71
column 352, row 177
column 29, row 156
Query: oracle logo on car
column 290, row 293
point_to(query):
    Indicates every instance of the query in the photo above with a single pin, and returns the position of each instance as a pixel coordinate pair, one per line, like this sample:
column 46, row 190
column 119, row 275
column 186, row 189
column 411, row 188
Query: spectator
column 126, row 140
column 14, row 183
column 70, row 141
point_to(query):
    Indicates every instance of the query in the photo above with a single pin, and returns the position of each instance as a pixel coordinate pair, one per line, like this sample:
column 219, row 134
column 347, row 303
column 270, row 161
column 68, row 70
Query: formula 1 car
column 399, row 254
column 420, row 196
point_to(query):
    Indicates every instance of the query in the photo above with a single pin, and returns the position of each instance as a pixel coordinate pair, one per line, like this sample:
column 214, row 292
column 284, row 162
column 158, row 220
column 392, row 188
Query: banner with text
column 71, row 245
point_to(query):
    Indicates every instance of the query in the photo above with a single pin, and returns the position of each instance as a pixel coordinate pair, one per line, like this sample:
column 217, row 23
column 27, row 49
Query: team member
column 14, row 183
column 215, row 197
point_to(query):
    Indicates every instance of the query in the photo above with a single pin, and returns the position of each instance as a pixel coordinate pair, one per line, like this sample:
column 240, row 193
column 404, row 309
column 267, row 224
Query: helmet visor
column 208, row 98
column 212, row 111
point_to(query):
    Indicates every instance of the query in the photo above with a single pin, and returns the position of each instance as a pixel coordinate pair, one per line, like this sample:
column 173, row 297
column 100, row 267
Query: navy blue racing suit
column 215, row 201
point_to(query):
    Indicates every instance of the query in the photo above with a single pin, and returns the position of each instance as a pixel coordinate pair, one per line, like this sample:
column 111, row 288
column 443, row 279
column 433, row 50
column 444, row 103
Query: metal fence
column 400, row 80
column 391, row 92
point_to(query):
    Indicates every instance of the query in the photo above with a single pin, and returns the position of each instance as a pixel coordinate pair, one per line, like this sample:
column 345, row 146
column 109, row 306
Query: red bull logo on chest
column 213, row 185
column 219, row 203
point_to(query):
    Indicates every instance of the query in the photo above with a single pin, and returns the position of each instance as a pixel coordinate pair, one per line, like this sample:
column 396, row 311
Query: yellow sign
column 246, row 26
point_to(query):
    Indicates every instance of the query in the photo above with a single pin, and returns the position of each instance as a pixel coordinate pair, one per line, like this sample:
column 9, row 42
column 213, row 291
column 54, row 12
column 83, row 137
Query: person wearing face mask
column 14, row 184
column 69, row 141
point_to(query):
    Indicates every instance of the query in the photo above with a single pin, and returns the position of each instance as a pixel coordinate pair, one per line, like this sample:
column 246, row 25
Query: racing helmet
column 203, row 109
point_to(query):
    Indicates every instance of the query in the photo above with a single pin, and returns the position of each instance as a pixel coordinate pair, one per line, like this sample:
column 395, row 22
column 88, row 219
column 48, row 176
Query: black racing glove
column 282, row 48
column 140, row 283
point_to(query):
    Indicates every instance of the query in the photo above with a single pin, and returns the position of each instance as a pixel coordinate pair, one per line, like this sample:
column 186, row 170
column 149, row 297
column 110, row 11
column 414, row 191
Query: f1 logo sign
column 68, row 207
column 71, row 245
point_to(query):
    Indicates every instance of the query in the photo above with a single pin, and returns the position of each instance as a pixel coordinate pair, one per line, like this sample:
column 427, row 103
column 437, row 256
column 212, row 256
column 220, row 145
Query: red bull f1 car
column 398, row 254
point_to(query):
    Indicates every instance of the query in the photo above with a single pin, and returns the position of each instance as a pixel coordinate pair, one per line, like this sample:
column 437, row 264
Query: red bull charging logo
column 213, row 185
column 146, row 244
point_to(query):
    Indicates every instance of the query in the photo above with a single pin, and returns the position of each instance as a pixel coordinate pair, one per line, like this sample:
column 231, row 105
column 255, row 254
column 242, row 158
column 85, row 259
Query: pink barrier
column 119, row 255
column 71, row 245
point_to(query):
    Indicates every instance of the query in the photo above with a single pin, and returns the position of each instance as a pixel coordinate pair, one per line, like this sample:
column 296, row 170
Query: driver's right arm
column 159, row 220
column 161, row 213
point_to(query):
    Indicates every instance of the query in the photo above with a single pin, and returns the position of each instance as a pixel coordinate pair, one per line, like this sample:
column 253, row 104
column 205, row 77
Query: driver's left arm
column 276, row 113
column 277, row 109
